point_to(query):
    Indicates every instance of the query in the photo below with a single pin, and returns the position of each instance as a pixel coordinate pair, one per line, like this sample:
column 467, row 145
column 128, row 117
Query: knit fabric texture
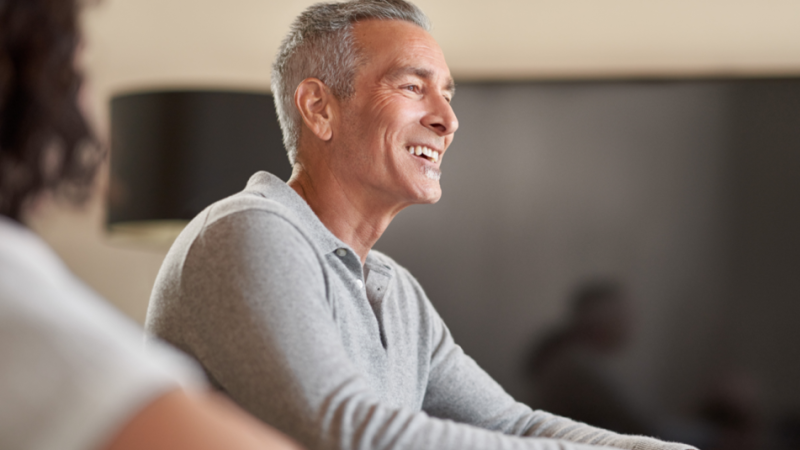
column 286, row 320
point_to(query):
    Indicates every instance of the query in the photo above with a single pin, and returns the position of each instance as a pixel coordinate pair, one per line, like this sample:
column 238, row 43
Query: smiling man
column 278, row 293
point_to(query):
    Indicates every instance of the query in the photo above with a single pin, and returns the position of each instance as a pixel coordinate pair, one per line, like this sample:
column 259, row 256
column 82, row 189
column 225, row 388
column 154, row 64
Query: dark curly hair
column 46, row 143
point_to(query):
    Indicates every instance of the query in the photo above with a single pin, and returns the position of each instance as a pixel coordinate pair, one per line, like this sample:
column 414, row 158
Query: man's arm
column 460, row 390
column 254, row 310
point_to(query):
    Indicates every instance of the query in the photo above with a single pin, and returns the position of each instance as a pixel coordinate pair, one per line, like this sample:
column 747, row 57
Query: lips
column 422, row 151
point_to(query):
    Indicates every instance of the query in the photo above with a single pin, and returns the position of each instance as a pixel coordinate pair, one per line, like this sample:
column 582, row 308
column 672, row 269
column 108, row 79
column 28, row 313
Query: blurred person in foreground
column 73, row 373
column 276, row 290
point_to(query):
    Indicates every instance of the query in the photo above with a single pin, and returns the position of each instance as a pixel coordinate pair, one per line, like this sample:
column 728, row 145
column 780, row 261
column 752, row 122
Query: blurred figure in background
column 732, row 411
column 73, row 372
column 569, row 367
column 788, row 431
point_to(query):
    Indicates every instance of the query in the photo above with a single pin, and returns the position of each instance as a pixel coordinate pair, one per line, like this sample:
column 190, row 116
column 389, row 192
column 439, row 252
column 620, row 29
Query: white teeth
column 420, row 150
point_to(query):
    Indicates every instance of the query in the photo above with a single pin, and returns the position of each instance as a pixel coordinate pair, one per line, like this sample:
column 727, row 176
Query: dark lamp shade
column 175, row 152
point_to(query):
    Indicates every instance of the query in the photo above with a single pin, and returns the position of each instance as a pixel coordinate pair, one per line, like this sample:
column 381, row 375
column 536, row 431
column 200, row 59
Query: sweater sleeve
column 460, row 390
column 249, row 301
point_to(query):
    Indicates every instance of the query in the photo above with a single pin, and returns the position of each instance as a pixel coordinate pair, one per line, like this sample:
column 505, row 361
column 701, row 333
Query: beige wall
column 136, row 43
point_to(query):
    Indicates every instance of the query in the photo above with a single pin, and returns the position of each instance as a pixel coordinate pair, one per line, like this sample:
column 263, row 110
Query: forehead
column 390, row 44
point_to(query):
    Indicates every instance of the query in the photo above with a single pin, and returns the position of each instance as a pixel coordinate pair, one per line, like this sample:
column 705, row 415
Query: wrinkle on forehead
column 423, row 73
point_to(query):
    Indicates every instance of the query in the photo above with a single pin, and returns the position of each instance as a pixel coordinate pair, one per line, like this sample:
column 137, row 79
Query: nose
column 440, row 117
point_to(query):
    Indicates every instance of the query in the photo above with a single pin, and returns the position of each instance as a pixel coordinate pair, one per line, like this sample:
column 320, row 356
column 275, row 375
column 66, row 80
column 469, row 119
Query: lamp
column 175, row 152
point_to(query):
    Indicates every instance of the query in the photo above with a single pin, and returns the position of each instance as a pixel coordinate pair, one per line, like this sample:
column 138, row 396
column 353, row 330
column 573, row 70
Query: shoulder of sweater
column 246, row 202
column 240, row 206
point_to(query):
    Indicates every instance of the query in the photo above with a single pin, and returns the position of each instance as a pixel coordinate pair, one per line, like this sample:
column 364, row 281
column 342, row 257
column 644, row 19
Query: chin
column 431, row 190
column 428, row 201
column 420, row 190
column 430, row 195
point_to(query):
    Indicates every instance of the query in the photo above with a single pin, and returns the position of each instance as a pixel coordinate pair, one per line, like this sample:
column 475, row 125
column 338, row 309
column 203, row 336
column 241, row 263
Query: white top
column 73, row 369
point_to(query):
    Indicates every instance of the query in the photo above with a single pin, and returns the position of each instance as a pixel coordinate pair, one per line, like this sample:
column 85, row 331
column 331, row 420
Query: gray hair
column 320, row 44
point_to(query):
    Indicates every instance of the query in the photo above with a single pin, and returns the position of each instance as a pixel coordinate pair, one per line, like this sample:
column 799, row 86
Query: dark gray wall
column 764, row 300
column 548, row 184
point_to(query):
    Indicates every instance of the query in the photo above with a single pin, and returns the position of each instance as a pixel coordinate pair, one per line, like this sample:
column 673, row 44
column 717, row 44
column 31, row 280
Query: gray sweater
column 285, row 320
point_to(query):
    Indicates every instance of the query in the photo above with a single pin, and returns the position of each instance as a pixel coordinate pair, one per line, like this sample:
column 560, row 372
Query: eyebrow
column 425, row 74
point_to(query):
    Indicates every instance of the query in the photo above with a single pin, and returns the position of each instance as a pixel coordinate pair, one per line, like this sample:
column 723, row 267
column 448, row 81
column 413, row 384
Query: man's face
column 401, row 104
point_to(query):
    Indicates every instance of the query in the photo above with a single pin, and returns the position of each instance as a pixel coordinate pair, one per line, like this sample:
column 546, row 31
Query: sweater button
column 341, row 252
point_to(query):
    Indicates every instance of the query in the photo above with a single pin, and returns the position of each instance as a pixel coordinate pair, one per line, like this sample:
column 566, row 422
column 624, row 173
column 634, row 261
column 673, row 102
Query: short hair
column 320, row 44
column 46, row 143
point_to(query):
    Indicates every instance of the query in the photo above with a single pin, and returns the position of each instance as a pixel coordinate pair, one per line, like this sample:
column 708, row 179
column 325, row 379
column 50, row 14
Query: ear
column 316, row 105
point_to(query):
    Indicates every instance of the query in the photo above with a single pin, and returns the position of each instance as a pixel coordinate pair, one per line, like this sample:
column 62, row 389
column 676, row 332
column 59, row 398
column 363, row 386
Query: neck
column 344, row 210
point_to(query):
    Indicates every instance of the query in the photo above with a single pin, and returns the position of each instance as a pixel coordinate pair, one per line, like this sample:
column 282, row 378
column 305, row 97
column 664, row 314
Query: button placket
column 375, row 291
column 342, row 253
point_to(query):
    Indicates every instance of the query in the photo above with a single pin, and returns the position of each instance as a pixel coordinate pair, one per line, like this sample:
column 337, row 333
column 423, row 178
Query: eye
column 413, row 88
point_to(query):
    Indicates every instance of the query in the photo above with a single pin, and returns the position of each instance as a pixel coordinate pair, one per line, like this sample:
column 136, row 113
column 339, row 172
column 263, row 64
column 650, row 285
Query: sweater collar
column 271, row 187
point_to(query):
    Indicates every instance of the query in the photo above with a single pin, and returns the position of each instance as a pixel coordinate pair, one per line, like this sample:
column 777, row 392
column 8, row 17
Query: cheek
column 393, row 114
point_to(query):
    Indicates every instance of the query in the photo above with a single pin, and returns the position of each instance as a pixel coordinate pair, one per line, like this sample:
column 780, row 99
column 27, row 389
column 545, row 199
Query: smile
column 423, row 151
